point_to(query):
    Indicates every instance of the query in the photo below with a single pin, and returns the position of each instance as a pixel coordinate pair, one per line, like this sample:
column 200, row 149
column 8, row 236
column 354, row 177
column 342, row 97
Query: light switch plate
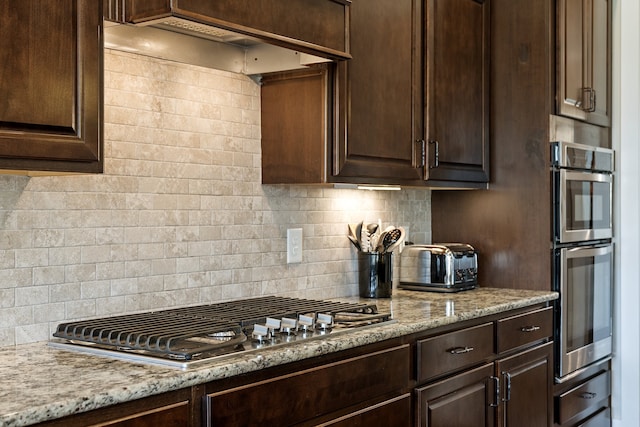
column 294, row 245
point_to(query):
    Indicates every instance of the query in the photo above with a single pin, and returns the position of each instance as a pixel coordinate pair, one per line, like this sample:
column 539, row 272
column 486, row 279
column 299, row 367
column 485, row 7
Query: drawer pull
column 588, row 395
column 530, row 328
column 461, row 350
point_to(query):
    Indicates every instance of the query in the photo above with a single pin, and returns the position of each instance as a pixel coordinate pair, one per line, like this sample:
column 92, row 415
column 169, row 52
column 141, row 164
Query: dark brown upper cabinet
column 379, row 104
column 584, row 71
column 51, row 85
column 356, row 121
column 317, row 27
column 362, row 121
column 457, row 91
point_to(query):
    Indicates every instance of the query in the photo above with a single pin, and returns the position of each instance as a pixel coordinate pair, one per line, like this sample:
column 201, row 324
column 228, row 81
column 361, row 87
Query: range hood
column 184, row 41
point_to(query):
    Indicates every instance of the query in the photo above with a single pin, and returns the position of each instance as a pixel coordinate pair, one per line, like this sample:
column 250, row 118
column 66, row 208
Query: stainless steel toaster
column 444, row 267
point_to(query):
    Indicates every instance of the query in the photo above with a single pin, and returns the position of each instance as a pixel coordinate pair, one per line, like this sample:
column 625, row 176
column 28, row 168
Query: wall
column 179, row 217
column 626, row 135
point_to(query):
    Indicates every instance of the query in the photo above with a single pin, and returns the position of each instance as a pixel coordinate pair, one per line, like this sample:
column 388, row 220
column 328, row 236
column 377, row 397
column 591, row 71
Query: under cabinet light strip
column 379, row 187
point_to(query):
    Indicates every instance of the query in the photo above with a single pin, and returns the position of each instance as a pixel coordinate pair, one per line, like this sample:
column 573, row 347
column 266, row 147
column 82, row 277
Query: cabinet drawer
column 453, row 351
column 516, row 331
column 602, row 419
column 303, row 395
column 393, row 412
column 584, row 399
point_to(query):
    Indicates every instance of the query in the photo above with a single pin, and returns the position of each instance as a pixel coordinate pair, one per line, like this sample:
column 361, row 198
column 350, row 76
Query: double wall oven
column 583, row 255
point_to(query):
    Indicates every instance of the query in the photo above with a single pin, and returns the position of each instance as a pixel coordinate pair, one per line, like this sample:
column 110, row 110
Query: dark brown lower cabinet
column 586, row 399
column 393, row 412
column 354, row 389
column 601, row 419
column 526, row 382
column 462, row 400
column 515, row 391
column 497, row 373
column 173, row 409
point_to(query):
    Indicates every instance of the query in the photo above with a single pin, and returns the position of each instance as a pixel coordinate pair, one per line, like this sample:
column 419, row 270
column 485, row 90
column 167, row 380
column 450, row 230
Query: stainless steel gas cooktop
column 184, row 337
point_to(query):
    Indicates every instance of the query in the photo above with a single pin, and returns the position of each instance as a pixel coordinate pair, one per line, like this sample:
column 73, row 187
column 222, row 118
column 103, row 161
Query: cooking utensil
column 380, row 245
column 354, row 241
column 355, row 238
column 398, row 242
column 359, row 234
column 365, row 239
column 373, row 237
column 390, row 238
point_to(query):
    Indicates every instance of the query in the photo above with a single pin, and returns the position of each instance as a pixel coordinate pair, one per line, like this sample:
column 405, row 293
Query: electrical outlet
column 294, row 245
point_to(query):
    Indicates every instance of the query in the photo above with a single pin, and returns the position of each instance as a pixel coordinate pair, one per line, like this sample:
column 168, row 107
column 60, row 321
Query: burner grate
column 248, row 312
column 155, row 332
column 183, row 333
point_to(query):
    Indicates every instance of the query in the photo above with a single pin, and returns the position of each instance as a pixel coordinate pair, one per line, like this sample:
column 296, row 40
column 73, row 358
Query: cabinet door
column 526, row 393
column 51, row 85
column 318, row 27
column 466, row 399
column 379, row 94
column 583, row 60
column 295, row 129
column 457, row 90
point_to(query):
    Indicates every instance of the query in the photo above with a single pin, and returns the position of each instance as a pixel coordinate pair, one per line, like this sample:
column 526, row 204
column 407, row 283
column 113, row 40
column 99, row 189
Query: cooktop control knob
column 288, row 326
column 273, row 325
column 260, row 333
column 324, row 321
column 305, row 323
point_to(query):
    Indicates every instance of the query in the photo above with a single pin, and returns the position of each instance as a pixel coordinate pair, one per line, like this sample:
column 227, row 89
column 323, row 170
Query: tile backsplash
column 179, row 216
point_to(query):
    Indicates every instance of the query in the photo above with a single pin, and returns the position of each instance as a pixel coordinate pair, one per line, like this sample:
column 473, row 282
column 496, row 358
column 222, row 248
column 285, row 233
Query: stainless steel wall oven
column 583, row 255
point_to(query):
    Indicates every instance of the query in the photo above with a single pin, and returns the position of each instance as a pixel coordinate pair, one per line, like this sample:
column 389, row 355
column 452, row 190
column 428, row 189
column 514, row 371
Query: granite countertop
column 41, row 383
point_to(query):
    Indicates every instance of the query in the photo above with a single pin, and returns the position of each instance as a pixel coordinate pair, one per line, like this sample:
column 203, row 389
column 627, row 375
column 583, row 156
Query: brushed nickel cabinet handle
column 496, row 398
column 422, row 150
column 507, row 381
column 593, row 101
column 588, row 102
column 436, row 155
column 460, row 350
column 530, row 328
column 588, row 395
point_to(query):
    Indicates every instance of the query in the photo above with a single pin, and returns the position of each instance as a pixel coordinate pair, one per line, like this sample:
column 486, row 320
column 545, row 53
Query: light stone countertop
column 40, row 383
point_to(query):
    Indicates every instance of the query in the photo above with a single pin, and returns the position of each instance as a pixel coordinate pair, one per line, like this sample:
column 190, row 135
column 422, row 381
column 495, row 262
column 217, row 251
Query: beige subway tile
column 110, row 270
column 80, row 273
column 125, row 286
column 110, row 306
column 137, row 268
column 49, row 275
column 151, row 284
column 32, row 333
column 7, row 297
column 65, row 255
column 7, row 336
column 95, row 289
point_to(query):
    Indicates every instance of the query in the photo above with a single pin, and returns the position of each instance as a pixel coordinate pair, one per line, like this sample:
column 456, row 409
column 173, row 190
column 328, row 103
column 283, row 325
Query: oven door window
column 588, row 298
column 585, row 206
